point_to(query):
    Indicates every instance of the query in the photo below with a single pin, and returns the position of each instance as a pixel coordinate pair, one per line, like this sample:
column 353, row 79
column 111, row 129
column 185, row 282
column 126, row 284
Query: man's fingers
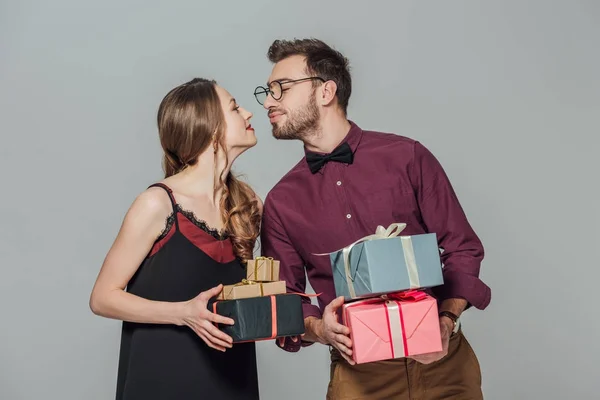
column 336, row 303
column 347, row 358
column 341, row 329
column 345, row 340
column 350, row 361
column 343, row 349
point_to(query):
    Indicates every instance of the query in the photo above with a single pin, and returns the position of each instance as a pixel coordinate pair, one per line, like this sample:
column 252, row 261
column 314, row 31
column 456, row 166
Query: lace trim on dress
column 195, row 220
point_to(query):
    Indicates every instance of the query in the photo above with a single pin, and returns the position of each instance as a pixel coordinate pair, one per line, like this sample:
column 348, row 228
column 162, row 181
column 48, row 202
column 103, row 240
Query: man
column 350, row 181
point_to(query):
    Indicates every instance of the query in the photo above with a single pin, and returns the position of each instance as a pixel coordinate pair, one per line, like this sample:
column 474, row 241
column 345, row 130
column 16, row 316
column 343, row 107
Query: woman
column 179, row 242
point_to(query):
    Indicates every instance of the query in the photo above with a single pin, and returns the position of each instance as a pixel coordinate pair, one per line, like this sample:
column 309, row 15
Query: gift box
column 262, row 318
column 385, row 263
column 246, row 289
column 262, row 269
column 402, row 325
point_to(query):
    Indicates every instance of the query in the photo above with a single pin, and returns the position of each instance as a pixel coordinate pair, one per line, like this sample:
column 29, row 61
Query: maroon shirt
column 392, row 179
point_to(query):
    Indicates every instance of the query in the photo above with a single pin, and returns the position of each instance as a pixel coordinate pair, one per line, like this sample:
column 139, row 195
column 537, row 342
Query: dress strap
column 171, row 197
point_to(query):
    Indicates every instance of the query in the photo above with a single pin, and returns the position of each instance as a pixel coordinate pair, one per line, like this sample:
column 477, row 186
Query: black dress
column 159, row 362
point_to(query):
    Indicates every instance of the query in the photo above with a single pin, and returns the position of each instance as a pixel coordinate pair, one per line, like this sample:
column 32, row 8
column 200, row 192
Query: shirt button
column 339, row 183
column 348, row 216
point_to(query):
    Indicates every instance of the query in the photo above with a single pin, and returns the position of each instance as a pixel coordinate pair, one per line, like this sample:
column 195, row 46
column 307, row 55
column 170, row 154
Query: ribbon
column 395, row 324
column 407, row 295
column 256, row 263
column 383, row 233
column 273, row 317
column 410, row 261
column 249, row 282
column 395, row 319
column 304, row 294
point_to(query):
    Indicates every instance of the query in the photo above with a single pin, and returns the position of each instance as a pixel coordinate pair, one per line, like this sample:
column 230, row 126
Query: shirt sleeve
column 276, row 243
column 462, row 251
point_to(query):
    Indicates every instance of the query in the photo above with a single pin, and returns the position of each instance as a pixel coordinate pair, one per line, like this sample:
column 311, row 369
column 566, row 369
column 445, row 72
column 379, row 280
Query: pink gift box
column 403, row 324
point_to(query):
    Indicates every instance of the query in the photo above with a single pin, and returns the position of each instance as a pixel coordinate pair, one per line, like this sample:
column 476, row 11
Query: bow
column 243, row 282
column 246, row 282
column 342, row 153
column 407, row 295
column 380, row 233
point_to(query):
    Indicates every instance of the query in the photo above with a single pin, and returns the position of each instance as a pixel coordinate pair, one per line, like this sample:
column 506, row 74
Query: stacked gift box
column 380, row 277
column 259, row 305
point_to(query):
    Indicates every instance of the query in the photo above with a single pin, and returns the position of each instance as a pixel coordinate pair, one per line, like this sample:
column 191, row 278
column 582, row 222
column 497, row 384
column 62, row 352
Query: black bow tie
column 342, row 153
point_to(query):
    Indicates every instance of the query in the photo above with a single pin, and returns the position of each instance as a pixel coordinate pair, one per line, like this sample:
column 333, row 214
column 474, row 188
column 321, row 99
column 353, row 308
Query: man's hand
column 455, row 306
column 328, row 330
column 333, row 333
column 446, row 327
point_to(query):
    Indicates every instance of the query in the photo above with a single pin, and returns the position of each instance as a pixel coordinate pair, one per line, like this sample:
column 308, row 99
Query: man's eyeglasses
column 276, row 90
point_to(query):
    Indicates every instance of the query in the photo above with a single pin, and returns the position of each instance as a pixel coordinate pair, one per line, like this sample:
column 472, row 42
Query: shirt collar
column 353, row 137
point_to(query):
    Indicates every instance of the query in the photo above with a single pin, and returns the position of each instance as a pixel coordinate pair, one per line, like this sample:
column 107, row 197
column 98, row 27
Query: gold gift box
column 247, row 289
column 262, row 269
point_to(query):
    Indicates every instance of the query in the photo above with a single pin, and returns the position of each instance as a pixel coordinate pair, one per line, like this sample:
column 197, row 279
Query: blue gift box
column 386, row 263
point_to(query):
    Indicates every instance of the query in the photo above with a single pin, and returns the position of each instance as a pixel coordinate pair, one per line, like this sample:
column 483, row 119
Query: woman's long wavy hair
column 190, row 119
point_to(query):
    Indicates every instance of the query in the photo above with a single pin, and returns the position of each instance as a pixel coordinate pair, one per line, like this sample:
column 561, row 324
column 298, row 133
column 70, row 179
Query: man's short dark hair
column 321, row 60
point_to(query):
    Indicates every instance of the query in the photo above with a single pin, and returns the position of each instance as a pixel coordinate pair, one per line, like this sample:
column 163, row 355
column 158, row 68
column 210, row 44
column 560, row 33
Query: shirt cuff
column 309, row 310
column 458, row 285
column 291, row 346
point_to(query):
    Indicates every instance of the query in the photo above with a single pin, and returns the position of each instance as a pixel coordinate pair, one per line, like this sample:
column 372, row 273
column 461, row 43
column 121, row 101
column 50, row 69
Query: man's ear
column 328, row 92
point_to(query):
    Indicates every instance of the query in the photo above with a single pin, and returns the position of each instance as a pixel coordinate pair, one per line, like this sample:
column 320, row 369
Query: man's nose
column 269, row 102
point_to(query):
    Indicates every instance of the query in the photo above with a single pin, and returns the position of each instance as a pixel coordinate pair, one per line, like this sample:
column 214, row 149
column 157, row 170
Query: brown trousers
column 455, row 377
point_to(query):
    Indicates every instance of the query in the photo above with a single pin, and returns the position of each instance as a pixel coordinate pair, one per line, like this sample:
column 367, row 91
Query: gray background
column 506, row 94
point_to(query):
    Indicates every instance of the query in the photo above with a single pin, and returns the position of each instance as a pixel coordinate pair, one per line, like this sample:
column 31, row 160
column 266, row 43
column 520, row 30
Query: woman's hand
column 201, row 320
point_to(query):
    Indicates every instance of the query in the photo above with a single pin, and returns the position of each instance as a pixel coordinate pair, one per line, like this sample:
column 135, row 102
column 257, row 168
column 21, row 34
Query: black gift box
column 262, row 318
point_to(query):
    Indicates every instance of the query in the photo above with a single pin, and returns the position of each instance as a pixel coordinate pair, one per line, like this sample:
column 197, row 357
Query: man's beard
column 300, row 124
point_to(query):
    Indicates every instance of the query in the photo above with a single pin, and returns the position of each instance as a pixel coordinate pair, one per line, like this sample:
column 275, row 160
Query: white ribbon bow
column 380, row 233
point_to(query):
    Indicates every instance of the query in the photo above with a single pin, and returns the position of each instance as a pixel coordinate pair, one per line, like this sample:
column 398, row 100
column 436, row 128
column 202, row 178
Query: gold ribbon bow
column 261, row 258
column 245, row 282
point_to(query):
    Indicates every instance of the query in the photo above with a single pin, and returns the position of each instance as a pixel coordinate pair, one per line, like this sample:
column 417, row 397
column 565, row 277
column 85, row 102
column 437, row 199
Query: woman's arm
column 142, row 224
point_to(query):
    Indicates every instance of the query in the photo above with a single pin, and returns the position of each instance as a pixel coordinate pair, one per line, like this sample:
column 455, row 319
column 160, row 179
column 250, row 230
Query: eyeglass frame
column 268, row 91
